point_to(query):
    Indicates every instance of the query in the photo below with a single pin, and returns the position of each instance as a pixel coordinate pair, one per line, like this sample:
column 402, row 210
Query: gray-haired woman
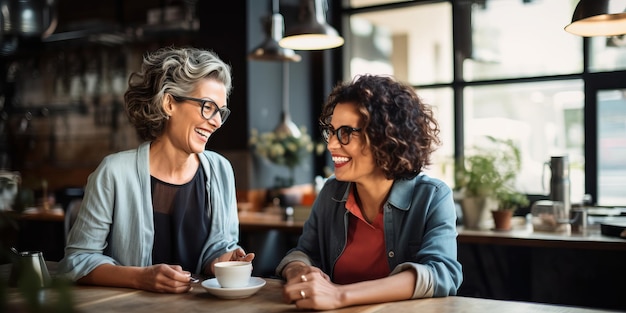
column 153, row 215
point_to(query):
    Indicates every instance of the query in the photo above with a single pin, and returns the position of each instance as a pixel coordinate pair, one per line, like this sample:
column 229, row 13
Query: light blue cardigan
column 115, row 223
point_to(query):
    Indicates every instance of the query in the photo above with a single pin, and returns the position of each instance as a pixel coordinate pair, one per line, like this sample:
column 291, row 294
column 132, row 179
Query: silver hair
column 168, row 70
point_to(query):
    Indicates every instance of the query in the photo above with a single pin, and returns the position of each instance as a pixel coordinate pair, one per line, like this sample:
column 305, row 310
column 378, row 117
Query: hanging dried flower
column 280, row 148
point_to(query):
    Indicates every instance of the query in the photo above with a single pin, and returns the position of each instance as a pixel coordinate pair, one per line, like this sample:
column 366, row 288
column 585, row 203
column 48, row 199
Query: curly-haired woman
column 153, row 215
column 380, row 230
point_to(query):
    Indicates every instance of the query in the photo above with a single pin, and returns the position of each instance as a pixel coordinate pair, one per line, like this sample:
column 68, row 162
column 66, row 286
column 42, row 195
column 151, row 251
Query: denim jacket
column 115, row 222
column 420, row 233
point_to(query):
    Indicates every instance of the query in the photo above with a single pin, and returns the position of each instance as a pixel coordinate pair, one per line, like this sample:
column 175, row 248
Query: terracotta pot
column 502, row 219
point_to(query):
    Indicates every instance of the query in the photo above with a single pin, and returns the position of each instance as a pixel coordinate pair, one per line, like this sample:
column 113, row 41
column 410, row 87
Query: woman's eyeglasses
column 208, row 108
column 343, row 133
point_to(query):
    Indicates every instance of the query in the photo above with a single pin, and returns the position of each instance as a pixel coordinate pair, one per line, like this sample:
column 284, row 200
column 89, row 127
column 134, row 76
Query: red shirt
column 365, row 256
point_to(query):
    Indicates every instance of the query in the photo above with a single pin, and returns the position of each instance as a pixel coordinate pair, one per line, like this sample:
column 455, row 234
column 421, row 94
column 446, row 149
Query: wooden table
column 269, row 299
column 255, row 221
column 38, row 230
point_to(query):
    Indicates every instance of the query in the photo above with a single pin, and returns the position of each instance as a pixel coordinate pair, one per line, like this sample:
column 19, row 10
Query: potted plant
column 509, row 200
column 484, row 179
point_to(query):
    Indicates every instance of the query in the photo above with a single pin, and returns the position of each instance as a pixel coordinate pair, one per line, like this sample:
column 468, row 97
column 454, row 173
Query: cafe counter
column 583, row 269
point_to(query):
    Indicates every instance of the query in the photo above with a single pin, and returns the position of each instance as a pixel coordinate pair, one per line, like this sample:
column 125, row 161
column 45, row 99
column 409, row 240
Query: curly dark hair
column 168, row 70
column 398, row 127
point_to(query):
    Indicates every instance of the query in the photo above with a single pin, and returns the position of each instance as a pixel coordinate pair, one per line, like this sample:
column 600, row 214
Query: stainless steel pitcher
column 29, row 267
column 560, row 181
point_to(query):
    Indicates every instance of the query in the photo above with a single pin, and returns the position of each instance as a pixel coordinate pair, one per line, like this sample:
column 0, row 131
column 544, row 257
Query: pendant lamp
column 286, row 126
column 269, row 50
column 598, row 18
column 312, row 31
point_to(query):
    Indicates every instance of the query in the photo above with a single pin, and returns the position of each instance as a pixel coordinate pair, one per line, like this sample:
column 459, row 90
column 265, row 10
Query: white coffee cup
column 233, row 274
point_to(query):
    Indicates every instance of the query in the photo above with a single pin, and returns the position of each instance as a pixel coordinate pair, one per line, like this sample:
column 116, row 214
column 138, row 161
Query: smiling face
column 354, row 161
column 187, row 129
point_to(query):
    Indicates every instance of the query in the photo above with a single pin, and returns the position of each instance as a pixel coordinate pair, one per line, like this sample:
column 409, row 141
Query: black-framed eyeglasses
column 343, row 133
column 208, row 108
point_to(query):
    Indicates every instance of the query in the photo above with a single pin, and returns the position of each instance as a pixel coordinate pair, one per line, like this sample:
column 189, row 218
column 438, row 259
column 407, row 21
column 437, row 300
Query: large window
column 385, row 42
column 544, row 119
column 441, row 100
column 609, row 53
column 516, row 74
column 515, row 38
column 611, row 146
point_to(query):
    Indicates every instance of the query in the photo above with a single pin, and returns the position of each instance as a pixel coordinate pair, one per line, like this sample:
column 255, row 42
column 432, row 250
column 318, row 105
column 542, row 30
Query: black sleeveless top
column 182, row 225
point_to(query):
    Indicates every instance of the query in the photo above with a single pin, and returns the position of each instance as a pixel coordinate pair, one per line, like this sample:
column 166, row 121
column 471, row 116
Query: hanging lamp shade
column 269, row 49
column 597, row 18
column 312, row 31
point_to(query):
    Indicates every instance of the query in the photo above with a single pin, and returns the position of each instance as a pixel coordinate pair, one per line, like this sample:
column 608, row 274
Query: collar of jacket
column 398, row 196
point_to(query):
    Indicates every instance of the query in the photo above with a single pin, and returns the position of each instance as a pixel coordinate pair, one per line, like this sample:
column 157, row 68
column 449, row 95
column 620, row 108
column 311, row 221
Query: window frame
column 593, row 82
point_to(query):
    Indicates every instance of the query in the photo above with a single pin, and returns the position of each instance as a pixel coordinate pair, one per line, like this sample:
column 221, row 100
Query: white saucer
column 213, row 287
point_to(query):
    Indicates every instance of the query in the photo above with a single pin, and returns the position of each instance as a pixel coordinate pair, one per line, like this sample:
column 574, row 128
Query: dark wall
column 231, row 29
column 266, row 93
column 221, row 30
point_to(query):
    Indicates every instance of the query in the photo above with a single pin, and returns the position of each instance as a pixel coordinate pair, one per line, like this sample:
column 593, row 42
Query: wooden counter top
column 520, row 235
column 524, row 235
column 254, row 221
column 33, row 214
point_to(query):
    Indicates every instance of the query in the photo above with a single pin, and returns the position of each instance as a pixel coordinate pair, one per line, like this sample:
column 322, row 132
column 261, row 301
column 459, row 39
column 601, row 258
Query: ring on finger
column 302, row 294
column 303, row 278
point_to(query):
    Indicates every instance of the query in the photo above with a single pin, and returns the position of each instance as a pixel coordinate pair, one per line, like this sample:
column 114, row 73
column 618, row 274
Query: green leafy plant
column 509, row 199
column 489, row 171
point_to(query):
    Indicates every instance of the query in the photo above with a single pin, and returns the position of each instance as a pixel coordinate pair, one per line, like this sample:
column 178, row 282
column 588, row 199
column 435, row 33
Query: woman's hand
column 161, row 278
column 235, row 255
column 312, row 290
column 240, row 255
column 164, row 278
column 294, row 270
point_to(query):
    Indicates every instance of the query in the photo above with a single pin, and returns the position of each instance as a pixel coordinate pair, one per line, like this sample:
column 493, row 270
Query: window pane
column 514, row 38
column 543, row 119
column 607, row 54
column 412, row 43
column 442, row 160
column 611, row 147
